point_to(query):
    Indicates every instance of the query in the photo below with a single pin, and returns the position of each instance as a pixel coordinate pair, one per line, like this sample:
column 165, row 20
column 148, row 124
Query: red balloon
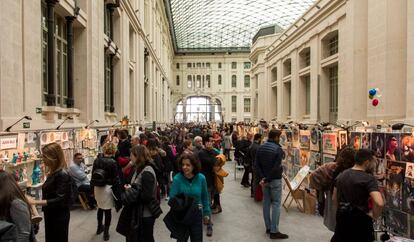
column 375, row 102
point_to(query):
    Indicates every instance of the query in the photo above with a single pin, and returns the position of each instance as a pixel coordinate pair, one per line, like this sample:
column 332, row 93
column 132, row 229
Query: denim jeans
column 272, row 196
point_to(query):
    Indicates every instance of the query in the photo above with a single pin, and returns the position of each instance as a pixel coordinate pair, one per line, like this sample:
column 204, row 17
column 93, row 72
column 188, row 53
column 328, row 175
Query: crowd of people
column 183, row 164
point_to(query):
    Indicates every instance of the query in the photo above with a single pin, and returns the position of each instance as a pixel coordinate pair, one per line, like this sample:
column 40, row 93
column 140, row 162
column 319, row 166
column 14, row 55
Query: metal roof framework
column 227, row 25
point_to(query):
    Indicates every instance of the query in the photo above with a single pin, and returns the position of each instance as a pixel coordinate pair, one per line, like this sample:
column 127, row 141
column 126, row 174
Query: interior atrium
column 85, row 68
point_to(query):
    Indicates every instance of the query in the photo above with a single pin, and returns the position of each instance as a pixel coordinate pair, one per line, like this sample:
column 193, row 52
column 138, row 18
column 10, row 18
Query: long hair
column 53, row 157
column 142, row 155
column 344, row 160
column 9, row 191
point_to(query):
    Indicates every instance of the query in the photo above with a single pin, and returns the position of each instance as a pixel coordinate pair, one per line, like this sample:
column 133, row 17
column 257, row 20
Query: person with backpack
column 57, row 194
column 104, row 176
column 15, row 210
column 141, row 205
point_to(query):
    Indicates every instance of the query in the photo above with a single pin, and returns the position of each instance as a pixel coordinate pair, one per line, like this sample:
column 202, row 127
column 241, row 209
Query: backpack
column 8, row 231
column 98, row 178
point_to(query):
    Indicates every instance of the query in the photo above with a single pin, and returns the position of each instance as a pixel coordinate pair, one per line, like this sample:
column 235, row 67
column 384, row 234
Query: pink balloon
column 375, row 102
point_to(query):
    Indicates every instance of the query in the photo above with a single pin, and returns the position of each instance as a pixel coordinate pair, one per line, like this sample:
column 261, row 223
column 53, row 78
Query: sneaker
column 209, row 230
column 216, row 210
column 278, row 236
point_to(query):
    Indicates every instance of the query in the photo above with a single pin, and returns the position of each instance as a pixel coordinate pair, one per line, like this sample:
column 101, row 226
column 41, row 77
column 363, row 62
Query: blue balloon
column 372, row 92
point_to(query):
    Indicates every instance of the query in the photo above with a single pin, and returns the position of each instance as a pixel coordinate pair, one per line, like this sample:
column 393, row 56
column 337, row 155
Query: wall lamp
column 11, row 126
column 67, row 118
column 87, row 126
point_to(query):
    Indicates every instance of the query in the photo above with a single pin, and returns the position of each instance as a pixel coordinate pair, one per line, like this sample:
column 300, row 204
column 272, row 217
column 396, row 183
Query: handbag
column 258, row 194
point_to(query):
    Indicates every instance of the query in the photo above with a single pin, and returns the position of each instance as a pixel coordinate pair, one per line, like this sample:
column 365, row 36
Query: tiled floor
column 241, row 220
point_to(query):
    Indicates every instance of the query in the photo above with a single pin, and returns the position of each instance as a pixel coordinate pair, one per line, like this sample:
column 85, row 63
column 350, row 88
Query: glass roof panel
column 227, row 24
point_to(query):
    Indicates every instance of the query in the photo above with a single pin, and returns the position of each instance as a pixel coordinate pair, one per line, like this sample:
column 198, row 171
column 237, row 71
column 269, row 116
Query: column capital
column 70, row 18
column 52, row 2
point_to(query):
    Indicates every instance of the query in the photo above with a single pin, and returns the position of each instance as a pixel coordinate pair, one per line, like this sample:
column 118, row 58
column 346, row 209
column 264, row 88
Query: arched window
column 198, row 109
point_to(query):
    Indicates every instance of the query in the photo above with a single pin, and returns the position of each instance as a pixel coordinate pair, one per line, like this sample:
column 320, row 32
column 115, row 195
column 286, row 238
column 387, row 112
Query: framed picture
column 328, row 158
column 392, row 146
column 330, row 144
column 343, row 139
column 378, row 144
column 295, row 137
column 304, row 139
column 283, row 139
column 397, row 221
column 407, row 147
column 296, row 158
column 395, row 182
column 314, row 139
column 314, row 160
column 355, row 140
column 366, row 140
column 304, row 158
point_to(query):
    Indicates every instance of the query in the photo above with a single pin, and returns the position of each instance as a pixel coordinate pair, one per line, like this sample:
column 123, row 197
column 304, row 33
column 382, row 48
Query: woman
column 137, row 219
column 57, row 194
column 188, row 147
column 159, row 159
column 190, row 182
column 15, row 208
column 122, row 156
column 104, row 176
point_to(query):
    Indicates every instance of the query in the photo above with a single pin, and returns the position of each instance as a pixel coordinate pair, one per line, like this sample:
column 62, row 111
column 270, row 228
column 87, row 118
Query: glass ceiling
column 228, row 24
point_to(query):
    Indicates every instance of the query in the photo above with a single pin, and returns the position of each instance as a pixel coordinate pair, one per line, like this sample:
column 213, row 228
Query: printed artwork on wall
column 289, row 135
column 395, row 179
column 392, row 150
column 355, row 140
column 329, row 141
column 407, row 147
column 304, row 139
column 296, row 158
column 366, row 140
column 314, row 140
column 343, row 139
column 283, row 139
column 378, row 144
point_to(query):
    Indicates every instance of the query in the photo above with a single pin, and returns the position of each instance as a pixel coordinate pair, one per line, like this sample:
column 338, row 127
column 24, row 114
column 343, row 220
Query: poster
column 397, row 221
column 304, row 158
column 30, row 138
column 304, row 139
column 407, row 147
column 355, row 140
column 329, row 141
column 283, row 139
column 328, row 158
column 295, row 137
column 394, row 187
column 366, row 140
column 378, row 144
column 8, row 143
column 409, row 170
column 314, row 139
column 392, row 143
column 408, row 196
column 295, row 156
column 300, row 176
column 343, row 139
column 314, row 160
column 21, row 140
column 380, row 170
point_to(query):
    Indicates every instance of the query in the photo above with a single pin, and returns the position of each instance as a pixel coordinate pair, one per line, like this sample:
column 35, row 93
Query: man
column 243, row 149
column 257, row 139
column 77, row 171
column 139, row 131
column 269, row 168
column 198, row 145
column 207, row 157
column 134, row 140
column 354, row 190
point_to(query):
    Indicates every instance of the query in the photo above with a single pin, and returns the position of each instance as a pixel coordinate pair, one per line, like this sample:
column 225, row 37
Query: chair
column 83, row 200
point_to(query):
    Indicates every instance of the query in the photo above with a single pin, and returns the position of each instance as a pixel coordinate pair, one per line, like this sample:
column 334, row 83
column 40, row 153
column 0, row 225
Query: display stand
column 295, row 193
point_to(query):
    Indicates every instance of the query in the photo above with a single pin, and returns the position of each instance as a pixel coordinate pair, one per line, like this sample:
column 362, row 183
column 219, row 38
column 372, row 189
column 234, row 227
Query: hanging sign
column 8, row 143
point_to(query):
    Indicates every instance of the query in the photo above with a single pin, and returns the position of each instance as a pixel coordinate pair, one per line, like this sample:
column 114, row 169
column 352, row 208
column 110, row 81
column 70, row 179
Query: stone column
column 51, row 70
column 69, row 32
column 111, row 85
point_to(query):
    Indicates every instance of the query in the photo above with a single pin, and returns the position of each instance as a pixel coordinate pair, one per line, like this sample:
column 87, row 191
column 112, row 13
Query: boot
column 106, row 233
column 100, row 228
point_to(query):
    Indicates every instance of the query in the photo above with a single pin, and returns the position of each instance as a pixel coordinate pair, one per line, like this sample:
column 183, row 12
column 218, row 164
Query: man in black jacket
column 269, row 168
column 207, row 158
column 252, row 153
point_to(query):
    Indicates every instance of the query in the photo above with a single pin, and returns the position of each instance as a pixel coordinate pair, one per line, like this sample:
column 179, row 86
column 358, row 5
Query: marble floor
column 241, row 220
